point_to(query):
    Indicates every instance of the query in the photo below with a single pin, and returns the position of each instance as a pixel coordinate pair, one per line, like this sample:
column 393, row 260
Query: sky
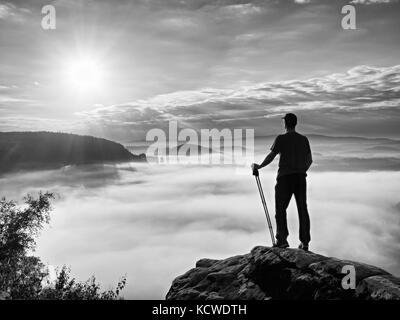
column 117, row 69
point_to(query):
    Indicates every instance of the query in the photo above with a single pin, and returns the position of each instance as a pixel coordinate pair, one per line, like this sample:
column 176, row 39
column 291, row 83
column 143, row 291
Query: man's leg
column 283, row 193
column 300, row 193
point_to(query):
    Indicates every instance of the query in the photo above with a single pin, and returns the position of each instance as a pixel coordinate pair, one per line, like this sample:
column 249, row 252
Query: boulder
column 274, row 274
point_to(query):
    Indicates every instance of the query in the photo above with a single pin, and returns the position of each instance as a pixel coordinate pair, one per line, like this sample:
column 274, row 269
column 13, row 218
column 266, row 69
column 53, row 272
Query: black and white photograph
column 206, row 150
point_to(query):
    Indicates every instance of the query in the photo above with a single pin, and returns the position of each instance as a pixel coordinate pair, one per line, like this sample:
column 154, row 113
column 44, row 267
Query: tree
column 23, row 276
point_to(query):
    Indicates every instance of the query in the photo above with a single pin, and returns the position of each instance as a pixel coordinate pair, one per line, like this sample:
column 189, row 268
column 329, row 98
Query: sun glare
column 84, row 74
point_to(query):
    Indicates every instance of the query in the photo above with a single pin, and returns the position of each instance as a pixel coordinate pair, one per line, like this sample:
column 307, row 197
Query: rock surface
column 271, row 273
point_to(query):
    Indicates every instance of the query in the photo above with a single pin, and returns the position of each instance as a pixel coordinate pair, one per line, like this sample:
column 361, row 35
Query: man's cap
column 290, row 120
column 290, row 116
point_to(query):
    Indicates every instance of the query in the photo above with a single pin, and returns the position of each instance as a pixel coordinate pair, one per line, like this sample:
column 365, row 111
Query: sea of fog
column 153, row 222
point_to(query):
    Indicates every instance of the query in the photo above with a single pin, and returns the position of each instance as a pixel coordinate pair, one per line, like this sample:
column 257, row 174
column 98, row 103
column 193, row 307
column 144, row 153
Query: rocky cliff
column 272, row 273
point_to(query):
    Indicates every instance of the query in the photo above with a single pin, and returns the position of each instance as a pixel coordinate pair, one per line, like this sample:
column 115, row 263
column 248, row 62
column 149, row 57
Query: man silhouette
column 295, row 160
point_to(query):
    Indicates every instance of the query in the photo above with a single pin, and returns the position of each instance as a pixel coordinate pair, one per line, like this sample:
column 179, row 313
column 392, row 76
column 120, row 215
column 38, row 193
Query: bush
column 23, row 276
column 67, row 288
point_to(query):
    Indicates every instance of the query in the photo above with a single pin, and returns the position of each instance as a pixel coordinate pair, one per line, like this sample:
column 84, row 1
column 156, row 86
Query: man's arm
column 275, row 149
column 309, row 156
column 308, row 161
column 268, row 159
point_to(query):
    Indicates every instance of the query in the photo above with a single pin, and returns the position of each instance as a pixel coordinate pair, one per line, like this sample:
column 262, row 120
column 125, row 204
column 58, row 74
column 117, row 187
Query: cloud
column 6, row 10
column 154, row 222
column 245, row 9
column 302, row 1
column 32, row 123
column 9, row 11
column 373, row 1
column 243, row 50
column 7, row 99
column 370, row 94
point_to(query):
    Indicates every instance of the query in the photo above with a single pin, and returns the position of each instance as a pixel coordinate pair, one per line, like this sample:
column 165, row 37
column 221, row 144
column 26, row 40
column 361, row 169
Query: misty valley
column 112, row 219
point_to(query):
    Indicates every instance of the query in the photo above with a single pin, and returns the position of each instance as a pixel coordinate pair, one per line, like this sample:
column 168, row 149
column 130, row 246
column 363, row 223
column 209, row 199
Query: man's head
column 290, row 121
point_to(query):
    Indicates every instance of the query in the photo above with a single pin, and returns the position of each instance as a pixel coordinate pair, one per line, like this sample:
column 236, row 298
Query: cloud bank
column 152, row 222
column 362, row 101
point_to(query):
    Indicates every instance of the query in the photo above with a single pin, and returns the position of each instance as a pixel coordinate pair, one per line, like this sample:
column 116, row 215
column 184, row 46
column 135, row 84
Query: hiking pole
column 256, row 174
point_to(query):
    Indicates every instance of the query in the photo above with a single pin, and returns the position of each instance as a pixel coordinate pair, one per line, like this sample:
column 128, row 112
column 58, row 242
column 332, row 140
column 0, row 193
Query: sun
column 84, row 73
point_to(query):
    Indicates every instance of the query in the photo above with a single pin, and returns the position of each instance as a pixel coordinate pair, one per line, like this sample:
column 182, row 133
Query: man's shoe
column 303, row 246
column 281, row 245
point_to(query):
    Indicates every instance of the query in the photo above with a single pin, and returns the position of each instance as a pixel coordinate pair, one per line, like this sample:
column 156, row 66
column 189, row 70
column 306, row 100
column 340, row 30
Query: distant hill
column 48, row 150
